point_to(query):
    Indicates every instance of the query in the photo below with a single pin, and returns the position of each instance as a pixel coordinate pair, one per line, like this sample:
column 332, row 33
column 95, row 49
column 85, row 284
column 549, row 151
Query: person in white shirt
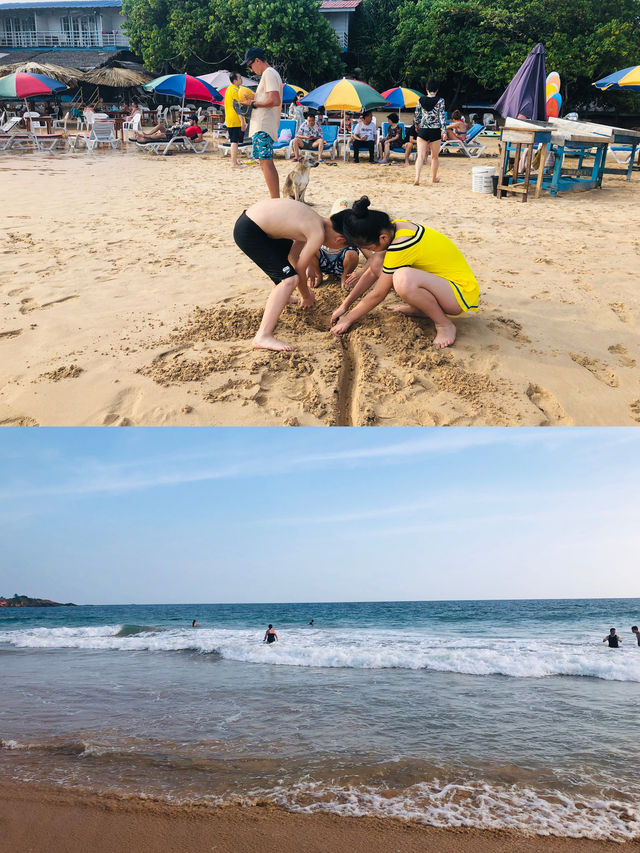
column 265, row 116
column 364, row 136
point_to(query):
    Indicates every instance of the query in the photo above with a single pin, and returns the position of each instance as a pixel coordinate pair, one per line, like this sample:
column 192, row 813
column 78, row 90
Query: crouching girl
column 425, row 268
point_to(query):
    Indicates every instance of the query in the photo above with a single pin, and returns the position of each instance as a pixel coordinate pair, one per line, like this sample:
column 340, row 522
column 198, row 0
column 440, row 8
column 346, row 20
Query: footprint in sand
column 620, row 309
column 19, row 420
column 635, row 410
column 600, row 371
column 548, row 405
column 623, row 355
column 27, row 305
column 13, row 333
column 114, row 419
column 509, row 328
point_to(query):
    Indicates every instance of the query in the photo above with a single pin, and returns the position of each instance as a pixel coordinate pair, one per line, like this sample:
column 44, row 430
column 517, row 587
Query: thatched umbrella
column 68, row 76
column 117, row 78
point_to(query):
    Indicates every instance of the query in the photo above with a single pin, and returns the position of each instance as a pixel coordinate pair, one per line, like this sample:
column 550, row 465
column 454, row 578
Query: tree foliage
column 188, row 34
column 481, row 43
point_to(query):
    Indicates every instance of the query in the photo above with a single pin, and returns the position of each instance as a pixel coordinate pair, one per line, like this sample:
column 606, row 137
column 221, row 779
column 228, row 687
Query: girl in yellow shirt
column 425, row 268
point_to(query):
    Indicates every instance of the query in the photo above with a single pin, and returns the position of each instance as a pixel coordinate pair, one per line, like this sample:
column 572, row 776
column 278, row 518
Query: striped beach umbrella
column 345, row 95
column 627, row 79
column 183, row 86
column 243, row 91
column 401, row 98
column 23, row 85
column 290, row 92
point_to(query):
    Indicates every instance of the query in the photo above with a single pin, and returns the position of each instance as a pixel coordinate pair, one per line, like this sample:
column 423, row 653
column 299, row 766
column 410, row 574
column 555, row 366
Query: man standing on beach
column 265, row 116
column 235, row 124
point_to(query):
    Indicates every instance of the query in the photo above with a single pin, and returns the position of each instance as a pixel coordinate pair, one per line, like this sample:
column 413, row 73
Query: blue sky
column 250, row 515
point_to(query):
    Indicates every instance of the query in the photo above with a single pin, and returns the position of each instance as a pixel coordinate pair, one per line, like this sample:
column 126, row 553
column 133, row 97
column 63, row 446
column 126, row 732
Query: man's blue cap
column 251, row 54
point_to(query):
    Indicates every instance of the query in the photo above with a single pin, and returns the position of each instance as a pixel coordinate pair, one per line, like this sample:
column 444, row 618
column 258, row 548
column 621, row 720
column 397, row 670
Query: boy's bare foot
column 269, row 342
column 416, row 183
column 435, row 180
column 409, row 310
column 446, row 335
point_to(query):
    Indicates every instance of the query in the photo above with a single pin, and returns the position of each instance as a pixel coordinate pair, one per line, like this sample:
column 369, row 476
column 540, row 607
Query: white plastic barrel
column 481, row 179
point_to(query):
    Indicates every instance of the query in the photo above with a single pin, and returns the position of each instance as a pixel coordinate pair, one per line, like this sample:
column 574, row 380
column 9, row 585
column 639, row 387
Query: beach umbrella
column 290, row 92
column 117, row 78
column 220, row 80
column 526, row 93
column 401, row 98
column 345, row 95
column 23, row 85
column 183, row 86
column 68, row 76
column 627, row 79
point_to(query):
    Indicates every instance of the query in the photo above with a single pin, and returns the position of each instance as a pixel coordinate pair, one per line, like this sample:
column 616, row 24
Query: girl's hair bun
column 361, row 206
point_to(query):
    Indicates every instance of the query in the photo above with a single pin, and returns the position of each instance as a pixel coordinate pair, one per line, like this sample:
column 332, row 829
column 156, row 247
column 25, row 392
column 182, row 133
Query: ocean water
column 489, row 714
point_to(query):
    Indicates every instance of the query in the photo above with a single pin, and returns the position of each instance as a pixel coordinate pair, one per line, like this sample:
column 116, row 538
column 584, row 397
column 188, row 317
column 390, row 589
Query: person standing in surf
column 613, row 639
column 270, row 636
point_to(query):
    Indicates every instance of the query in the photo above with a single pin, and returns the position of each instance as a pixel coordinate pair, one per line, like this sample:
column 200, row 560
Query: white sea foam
column 357, row 649
column 478, row 805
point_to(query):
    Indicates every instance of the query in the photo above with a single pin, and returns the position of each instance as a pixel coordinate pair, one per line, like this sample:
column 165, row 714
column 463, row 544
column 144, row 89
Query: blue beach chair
column 469, row 145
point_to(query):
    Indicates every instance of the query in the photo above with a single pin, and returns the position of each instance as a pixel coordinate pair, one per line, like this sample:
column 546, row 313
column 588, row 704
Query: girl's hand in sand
column 351, row 280
column 312, row 277
column 337, row 314
column 341, row 327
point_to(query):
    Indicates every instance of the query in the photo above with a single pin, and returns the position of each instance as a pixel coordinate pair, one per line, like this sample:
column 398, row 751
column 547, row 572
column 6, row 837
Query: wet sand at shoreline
column 124, row 301
column 48, row 820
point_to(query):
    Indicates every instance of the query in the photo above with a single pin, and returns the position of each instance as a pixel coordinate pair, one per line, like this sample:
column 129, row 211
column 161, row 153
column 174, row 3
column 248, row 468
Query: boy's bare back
column 284, row 218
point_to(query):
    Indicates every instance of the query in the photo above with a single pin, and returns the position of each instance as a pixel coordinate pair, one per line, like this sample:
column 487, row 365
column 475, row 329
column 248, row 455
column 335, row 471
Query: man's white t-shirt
column 267, row 119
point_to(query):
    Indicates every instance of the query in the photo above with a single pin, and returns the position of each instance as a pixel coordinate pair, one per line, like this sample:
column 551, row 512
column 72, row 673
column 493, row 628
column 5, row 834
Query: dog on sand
column 296, row 181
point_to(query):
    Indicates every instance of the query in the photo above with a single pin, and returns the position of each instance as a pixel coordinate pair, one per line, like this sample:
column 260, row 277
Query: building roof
column 339, row 5
column 34, row 5
column 83, row 60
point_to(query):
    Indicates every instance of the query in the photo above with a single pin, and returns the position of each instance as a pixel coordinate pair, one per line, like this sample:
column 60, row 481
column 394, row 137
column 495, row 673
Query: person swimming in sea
column 311, row 623
column 194, row 624
column 270, row 636
column 613, row 639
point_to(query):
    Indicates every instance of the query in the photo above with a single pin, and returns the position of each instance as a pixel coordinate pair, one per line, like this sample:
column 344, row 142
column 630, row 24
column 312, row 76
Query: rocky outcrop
column 25, row 601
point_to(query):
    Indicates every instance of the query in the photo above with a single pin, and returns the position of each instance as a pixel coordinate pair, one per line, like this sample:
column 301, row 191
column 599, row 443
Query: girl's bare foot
column 435, row 180
column 269, row 342
column 416, row 183
column 409, row 310
column 446, row 335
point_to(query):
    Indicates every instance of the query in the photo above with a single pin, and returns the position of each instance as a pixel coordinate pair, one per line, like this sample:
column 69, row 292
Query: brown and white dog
column 296, row 181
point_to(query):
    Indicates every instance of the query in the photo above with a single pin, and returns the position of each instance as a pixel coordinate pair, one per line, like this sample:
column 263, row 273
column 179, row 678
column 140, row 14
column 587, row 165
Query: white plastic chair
column 132, row 125
column 489, row 121
column 102, row 133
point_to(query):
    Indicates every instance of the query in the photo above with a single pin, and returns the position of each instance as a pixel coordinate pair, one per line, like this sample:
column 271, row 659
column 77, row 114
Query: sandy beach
column 44, row 820
column 126, row 302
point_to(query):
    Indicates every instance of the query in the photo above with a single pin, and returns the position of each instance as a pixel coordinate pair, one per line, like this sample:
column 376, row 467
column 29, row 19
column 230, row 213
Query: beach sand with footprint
column 126, row 302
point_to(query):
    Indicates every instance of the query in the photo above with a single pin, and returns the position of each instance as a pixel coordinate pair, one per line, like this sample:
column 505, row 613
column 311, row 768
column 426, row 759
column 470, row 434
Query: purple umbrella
column 526, row 94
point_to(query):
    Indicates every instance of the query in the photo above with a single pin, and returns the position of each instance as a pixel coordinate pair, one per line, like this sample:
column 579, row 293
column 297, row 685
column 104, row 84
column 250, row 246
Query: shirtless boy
column 283, row 237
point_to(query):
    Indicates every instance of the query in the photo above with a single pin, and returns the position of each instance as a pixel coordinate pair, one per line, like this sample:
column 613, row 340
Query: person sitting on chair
column 308, row 136
column 457, row 127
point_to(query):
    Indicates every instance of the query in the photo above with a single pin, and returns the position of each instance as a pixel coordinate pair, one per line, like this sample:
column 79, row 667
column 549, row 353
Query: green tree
column 298, row 40
column 481, row 43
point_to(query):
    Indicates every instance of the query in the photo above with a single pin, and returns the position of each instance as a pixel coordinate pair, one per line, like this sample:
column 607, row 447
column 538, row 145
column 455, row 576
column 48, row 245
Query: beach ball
column 553, row 79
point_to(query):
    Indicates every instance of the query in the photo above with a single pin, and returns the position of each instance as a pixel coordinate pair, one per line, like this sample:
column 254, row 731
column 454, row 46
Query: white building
column 87, row 24
column 26, row 24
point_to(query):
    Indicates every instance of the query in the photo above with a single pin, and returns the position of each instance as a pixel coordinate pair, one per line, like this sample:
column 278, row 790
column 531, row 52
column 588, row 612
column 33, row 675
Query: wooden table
column 565, row 141
column 616, row 135
column 525, row 139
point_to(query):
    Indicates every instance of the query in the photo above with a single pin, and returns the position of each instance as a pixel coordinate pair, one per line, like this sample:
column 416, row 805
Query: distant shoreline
column 26, row 601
